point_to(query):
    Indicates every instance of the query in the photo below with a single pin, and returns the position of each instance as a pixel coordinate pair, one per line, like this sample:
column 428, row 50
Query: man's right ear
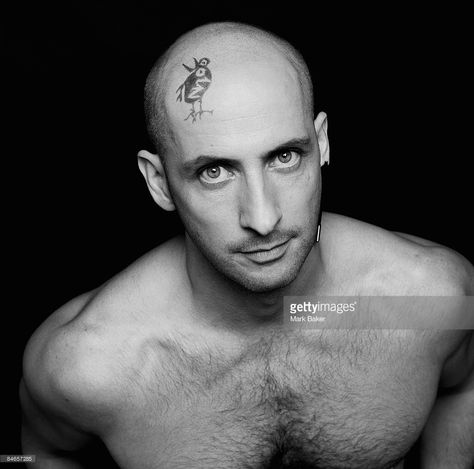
column 154, row 173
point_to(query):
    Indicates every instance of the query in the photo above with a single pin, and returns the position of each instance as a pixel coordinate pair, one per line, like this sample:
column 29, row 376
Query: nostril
column 261, row 219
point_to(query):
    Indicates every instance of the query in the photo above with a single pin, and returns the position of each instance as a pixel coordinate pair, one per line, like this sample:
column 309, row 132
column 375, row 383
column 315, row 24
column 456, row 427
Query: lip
column 264, row 256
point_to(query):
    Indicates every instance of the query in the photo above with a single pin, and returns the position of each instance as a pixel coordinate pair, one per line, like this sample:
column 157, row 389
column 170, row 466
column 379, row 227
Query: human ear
column 321, row 127
column 153, row 171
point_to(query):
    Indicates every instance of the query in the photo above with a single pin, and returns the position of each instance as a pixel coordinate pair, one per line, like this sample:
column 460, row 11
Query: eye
column 215, row 175
column 286, row 159
column 200, row 72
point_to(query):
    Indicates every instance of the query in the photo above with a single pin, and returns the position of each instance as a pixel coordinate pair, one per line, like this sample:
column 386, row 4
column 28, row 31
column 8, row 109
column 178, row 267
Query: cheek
column 212, row 215
column 302, row 195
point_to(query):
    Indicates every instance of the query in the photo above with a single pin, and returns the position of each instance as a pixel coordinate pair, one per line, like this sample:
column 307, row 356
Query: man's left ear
column 321, row 127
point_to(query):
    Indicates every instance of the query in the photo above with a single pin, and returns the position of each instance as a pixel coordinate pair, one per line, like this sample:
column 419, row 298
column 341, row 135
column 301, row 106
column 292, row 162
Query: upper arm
column 47, row 422
column 458, row 369
column 442, row 272
column 60, row 392
column 43, row 430
column 456, row 278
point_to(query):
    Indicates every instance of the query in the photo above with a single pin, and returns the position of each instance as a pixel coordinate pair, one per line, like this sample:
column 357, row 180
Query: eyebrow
column 191, row 166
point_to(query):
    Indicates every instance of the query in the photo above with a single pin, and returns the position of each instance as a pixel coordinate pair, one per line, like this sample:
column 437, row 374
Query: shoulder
column 391, row 263
column 142, row 292
column 77, row 364
column 64, row 372
column 437, row 270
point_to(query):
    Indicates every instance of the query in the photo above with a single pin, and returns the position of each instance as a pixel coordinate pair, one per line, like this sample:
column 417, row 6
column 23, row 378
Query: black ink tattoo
column 194, row 87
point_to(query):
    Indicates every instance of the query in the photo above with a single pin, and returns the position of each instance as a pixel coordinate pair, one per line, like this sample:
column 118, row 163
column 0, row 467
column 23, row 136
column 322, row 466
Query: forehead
column 254, row 104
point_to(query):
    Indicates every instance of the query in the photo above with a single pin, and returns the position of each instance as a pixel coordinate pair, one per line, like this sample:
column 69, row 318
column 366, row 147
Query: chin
column 264, row 281
column 252, row 278
column 269, row 279
column 265, row 285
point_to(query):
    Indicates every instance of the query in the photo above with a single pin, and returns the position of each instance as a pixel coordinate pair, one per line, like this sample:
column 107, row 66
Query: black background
column 76, row 209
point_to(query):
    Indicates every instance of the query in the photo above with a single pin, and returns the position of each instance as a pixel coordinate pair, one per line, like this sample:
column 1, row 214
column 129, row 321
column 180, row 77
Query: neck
column 220, row 301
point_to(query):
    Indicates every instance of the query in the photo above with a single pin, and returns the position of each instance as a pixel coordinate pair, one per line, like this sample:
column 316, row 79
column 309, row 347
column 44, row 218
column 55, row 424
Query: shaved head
column 229, row 108
column 239, row 56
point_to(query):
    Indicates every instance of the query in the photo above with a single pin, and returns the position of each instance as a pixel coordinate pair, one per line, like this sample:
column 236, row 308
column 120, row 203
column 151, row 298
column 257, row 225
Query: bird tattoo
column 194, row 87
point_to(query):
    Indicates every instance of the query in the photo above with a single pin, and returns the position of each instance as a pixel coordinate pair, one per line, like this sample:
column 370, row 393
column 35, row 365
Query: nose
column 259, row 208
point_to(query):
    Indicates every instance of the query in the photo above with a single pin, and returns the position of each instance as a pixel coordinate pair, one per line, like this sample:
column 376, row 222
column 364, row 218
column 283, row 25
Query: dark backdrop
column 392, row 82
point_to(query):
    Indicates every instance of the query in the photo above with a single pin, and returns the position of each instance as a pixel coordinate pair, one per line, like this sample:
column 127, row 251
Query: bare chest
column 331, row 399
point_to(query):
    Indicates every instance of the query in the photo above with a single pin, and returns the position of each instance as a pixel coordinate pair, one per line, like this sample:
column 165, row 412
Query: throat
column 246, row 318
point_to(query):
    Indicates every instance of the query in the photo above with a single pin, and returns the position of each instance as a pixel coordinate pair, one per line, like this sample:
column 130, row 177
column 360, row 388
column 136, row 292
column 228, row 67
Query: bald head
column 231, row 63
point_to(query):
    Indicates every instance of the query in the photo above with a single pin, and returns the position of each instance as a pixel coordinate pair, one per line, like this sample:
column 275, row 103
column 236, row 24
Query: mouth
column 267, row 254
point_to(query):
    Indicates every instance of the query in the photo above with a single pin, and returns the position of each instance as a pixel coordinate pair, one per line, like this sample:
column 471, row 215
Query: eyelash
column 215, row 165
column 298, row 152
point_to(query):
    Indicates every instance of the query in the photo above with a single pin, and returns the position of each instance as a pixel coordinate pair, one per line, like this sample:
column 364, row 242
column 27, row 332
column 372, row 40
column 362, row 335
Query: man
column 182, row 360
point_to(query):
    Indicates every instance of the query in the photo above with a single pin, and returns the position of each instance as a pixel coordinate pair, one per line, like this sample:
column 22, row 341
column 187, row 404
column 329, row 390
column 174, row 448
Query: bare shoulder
column 77, row 363
column 61, row 380
column 441, row 270
column 143, row 291
column 379, row 262
column 394, row 263
column 449, row 266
